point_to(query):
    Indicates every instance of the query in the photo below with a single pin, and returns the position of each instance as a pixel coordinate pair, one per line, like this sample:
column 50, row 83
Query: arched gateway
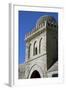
column 35, row 72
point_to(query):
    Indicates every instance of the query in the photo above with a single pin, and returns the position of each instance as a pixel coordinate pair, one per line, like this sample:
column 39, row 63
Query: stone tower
column 41, row 50
column 41, row 47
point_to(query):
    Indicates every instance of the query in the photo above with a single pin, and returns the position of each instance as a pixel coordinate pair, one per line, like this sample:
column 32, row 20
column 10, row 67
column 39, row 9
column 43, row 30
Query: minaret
column 41, row 47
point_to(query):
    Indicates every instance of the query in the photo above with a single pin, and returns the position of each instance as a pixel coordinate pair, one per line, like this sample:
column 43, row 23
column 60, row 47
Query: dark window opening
column 55, row 75
column 35, row 48
column 36, row 51
column 29, row 51
column 35, row 74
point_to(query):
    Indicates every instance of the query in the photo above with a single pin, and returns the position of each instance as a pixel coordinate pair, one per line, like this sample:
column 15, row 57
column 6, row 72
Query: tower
column 41, row 57
column 41, row 47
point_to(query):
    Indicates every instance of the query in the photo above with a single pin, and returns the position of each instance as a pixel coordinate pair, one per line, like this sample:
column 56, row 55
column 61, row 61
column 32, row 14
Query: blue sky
column 27, row 21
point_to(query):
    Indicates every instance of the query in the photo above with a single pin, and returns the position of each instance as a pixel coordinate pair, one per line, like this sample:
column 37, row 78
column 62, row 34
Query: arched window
column 40, row 45
column 29, row 50
column 35, row 48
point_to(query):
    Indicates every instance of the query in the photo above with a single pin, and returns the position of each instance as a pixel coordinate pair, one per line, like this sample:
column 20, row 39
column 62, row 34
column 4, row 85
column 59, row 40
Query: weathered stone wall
column 21, row 71
column 37, row 61
column 37, row 39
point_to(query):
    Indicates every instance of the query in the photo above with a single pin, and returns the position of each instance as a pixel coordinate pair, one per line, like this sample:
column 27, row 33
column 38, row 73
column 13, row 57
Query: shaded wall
column 52, row 46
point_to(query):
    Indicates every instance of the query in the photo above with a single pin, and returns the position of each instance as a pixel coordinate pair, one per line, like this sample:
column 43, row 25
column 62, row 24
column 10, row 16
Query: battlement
column 35, row 29
column 44, row 21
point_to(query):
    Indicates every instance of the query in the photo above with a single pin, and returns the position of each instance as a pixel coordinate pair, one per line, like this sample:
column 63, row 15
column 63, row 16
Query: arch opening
column 35, row 48
column 35, row 74
column 40, row 45
column 29, row 51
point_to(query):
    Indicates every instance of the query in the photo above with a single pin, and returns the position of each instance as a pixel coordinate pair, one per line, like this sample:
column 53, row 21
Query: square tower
column 41, row 47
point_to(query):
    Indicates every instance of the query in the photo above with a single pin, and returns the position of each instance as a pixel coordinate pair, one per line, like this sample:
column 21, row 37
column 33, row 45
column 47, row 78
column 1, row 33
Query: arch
column 35, row 49
column 36, row 69
column 29, row 50
column 40, row 45
column 35, row 74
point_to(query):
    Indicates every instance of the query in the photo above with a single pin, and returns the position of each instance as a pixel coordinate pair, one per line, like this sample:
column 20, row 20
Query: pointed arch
column 35, row 49
column 29, row 50
column 40, row 45
column 35, row 74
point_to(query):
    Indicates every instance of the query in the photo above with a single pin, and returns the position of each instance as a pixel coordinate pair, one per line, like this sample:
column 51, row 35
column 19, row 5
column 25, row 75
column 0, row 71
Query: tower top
column 44, row 18
column 43, row 22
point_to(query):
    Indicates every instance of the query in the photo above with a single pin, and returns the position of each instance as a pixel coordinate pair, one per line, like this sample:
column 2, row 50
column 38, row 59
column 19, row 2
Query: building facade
column 41, row 58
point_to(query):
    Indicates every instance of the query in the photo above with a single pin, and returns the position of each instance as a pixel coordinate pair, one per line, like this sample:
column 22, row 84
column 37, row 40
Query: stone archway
column 35, row 74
